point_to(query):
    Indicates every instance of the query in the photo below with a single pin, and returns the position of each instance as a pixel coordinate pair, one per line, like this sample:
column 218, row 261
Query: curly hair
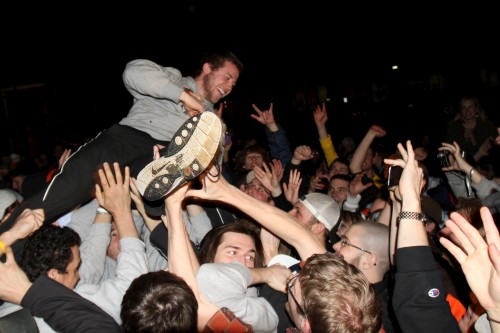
column 337, row 297
column 159, row 302
column 241, row 155
column 47, row 248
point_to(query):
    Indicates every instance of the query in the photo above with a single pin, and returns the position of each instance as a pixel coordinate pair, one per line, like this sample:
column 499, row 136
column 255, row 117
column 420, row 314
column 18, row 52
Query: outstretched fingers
column 455, row 251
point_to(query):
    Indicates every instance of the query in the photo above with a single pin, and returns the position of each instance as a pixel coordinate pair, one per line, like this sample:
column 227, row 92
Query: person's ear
column 369, row 261
column 305, row 326
column 54, row 275
column 206, row 68
column 318, row 228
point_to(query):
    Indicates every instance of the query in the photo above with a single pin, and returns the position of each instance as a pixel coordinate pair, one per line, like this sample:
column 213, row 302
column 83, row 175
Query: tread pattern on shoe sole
column 192, row 149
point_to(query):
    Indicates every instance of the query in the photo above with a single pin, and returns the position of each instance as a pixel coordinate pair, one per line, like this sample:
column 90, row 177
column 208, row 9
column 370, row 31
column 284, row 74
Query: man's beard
column 208, row 89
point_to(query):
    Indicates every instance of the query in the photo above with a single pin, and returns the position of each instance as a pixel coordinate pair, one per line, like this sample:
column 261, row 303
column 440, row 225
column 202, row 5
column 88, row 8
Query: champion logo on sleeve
column 434, row 292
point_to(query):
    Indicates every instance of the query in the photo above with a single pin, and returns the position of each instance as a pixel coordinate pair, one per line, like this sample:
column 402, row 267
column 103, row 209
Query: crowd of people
column 163, row 223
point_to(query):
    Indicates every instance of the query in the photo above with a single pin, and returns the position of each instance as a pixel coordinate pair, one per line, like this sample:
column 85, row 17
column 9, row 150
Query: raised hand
column 378, row 131
column 213, row 187
column 13, row 281
column 292, row 188
column 113, row 193
column 193, row 102
column 265, row 176
column 480, row 259
column 303, row 153
column 456, row 160
column 276, row 277
column 27, row 222
column 410, row 183
column 317, row 183
column 265, row 117
column 64, row 156
column 356, row 186
column 320, row 115
column 277, row 168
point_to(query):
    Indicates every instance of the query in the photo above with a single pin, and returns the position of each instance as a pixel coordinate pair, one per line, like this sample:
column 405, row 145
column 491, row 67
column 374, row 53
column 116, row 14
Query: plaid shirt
column 224, row 321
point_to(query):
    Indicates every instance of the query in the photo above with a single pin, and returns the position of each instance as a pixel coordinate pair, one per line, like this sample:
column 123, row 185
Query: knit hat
column 7, row 198
column 323, row 207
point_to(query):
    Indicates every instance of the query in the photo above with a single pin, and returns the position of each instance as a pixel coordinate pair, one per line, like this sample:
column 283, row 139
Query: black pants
column 75, row 183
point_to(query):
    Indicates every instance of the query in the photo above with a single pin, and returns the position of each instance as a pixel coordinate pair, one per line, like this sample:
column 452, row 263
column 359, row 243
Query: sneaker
column 190, row 152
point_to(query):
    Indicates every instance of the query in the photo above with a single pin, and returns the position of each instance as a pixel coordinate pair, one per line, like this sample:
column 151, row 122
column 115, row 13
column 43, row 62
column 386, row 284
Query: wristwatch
column 412, row 216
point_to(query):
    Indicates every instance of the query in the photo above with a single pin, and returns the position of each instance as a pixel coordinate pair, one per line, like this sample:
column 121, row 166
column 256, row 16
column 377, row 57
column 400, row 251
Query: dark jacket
column 64, row 310
column 419, row 298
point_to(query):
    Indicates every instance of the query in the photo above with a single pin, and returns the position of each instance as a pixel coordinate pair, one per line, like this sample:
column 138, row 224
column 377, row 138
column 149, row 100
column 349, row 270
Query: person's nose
column 336, row 247
column 242, row 260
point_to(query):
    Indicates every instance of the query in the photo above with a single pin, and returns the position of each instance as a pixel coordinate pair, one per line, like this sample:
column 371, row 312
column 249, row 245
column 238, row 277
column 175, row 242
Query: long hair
column 480, row 112
column 212, row 240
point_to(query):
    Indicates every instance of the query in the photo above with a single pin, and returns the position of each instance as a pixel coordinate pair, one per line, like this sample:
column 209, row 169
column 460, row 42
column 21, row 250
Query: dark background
column 60, row 68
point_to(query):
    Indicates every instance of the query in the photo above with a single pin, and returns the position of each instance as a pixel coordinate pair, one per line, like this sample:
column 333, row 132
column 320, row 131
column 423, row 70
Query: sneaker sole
column 190, row 152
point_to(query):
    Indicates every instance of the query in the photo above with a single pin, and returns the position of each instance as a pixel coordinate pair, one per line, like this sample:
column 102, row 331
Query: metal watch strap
column 412, row 216
column 101, row 210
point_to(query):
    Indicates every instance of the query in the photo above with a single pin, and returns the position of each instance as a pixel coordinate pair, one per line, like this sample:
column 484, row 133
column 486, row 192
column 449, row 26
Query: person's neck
column 470, row 122
column 199, row 83
column 373, row 275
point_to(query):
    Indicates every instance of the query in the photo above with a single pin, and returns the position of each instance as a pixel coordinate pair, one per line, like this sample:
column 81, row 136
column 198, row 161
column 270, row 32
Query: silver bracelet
column 412, row 216
column 101, row 210
column 471, row 172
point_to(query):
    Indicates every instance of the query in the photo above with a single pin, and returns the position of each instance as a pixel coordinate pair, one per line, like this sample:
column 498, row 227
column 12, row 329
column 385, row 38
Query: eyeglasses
column 344, row 242
column 257, row 188
column 289, row 286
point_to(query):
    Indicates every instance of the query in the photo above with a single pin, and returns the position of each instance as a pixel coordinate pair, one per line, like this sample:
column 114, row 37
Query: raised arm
column 325, row 140
column 27, row 222
column 416, row 269
column 276, row 136
column 483, row 186
column 480, row 261
column 358, row 157
column 113, row 194
column 182, row 260
column 410, row 231
column 275, row 220
column 139, row 204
